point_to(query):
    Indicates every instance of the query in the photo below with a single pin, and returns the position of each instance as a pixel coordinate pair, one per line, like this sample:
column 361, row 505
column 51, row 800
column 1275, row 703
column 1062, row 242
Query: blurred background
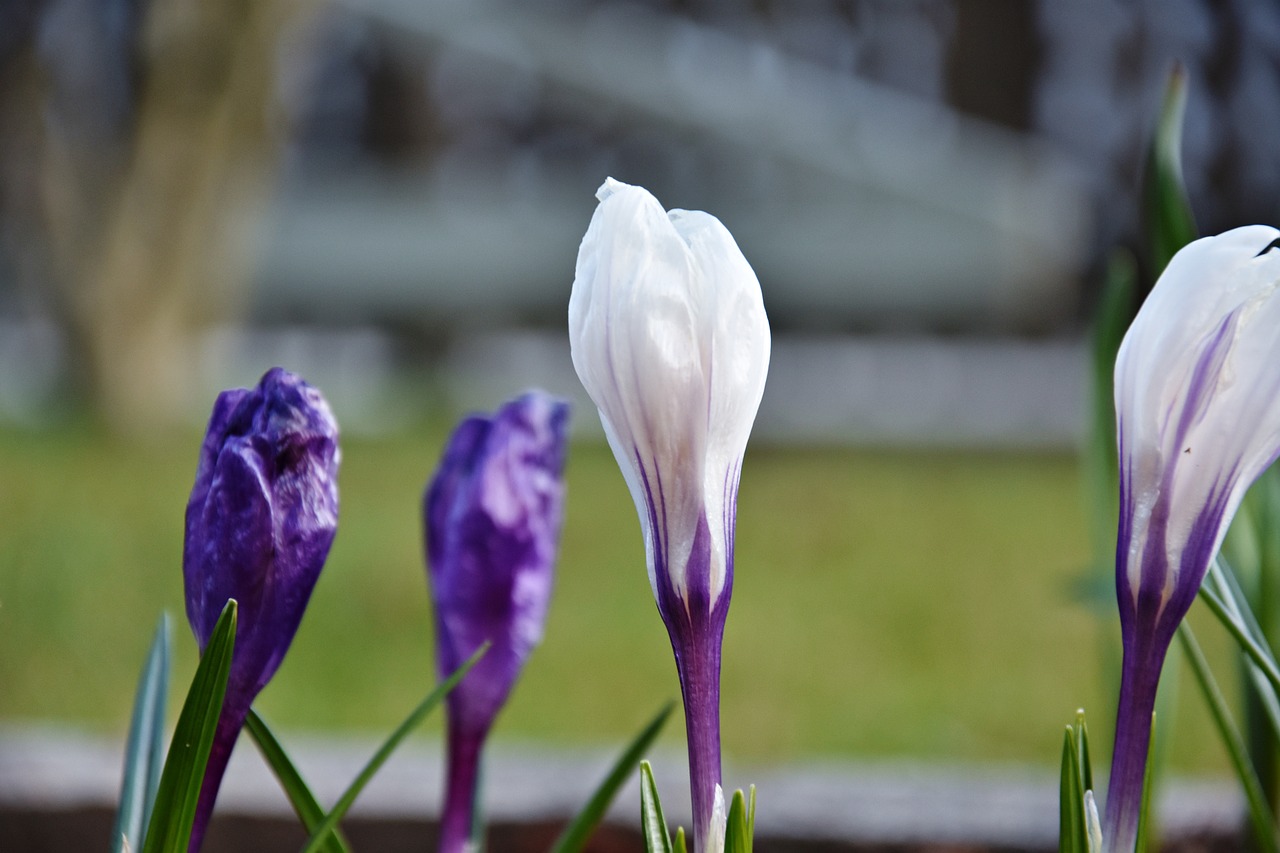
column 387, row 197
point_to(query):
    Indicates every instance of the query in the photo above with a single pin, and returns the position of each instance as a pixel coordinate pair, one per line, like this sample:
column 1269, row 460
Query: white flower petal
column 1198, row 391
column 669, row 336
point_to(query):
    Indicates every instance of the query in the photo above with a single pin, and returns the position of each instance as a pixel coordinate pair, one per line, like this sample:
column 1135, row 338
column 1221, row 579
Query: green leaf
column 1229, row 604
column 1082, row 743
column 580, row 829
column 1071, row 827
column 1259, row 812
column 652, row 822
column 1116, row 309
column 309, row 811
column 737, row 830
column 575, row 835
column 144, row 751
column 678, row 844
column 169, row 830
column 1170, row 223
column 415, row 718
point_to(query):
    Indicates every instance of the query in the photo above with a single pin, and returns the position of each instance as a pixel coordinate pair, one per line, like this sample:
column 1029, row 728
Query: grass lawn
column 885, row 603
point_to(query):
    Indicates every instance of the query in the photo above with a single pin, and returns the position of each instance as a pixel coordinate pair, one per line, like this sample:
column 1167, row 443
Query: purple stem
column 1139, row 678
column 230, row 722
column 463, row 773
column 698, row 663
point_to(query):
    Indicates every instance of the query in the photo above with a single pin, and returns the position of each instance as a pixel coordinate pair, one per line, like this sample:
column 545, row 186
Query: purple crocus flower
column 492, row 515
column 259, row 524
column 1197, row 387
column 670, row 338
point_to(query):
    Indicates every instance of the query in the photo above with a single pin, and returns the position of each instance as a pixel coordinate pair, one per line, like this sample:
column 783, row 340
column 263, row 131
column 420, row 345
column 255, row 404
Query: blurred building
column 889, row 166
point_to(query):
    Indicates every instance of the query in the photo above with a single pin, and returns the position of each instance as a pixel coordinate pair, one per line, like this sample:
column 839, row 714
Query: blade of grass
column 1234, row 620
column 1259, row 813
column 169, row 830
column 737, row 833
column 415, row 718
column 1071, row 828
column 1082, row 748
column 575, row 835
column 1170, row 223
column 144, row 750
column 1233, row 594
column 309, row 811
column 652, row 822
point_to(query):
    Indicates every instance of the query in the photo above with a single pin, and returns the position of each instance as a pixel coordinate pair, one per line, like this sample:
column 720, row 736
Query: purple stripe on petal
column 1205, row 378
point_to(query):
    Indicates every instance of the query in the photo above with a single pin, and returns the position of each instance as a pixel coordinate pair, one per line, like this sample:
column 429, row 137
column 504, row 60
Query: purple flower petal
column 492, row 517
column 260, row 520
column 1198, row 420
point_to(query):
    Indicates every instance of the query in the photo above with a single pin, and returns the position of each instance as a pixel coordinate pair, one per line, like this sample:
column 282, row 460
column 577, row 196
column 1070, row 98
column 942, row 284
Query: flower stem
column 1139, row 678
column 461, row 788
column 698, row 663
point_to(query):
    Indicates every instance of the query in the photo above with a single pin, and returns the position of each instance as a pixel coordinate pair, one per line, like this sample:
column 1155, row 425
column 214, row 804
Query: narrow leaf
column 1259, row 812
column 1170, row 223
column 309, row 811
column 678, row 844
column 1232, row 609
column 1082, row 746
column 652, row 822
column 1071, row 827
column 1117, row 306
column 144, row 750
column 575, row 835
column 175, row 805
column 737, row 835
column 415, row 718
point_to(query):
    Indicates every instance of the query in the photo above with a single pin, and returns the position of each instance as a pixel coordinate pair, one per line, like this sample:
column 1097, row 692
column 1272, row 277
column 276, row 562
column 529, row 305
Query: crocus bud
column 669, row 336
column 492, row 515
column 259, row 524
column 1197, row 387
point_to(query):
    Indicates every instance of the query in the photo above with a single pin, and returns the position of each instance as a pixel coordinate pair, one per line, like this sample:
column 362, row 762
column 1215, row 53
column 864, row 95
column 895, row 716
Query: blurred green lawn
column 899, row 603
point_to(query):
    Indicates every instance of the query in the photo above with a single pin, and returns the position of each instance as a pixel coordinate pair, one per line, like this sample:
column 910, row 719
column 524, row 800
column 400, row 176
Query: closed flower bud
column 259, row 523
column 492, row 516
column 1197, row 387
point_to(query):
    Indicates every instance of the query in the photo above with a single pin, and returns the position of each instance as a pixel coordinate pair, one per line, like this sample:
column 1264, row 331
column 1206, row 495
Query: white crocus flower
column 669, row 336
column 1198, row 403
column 1197, row 389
